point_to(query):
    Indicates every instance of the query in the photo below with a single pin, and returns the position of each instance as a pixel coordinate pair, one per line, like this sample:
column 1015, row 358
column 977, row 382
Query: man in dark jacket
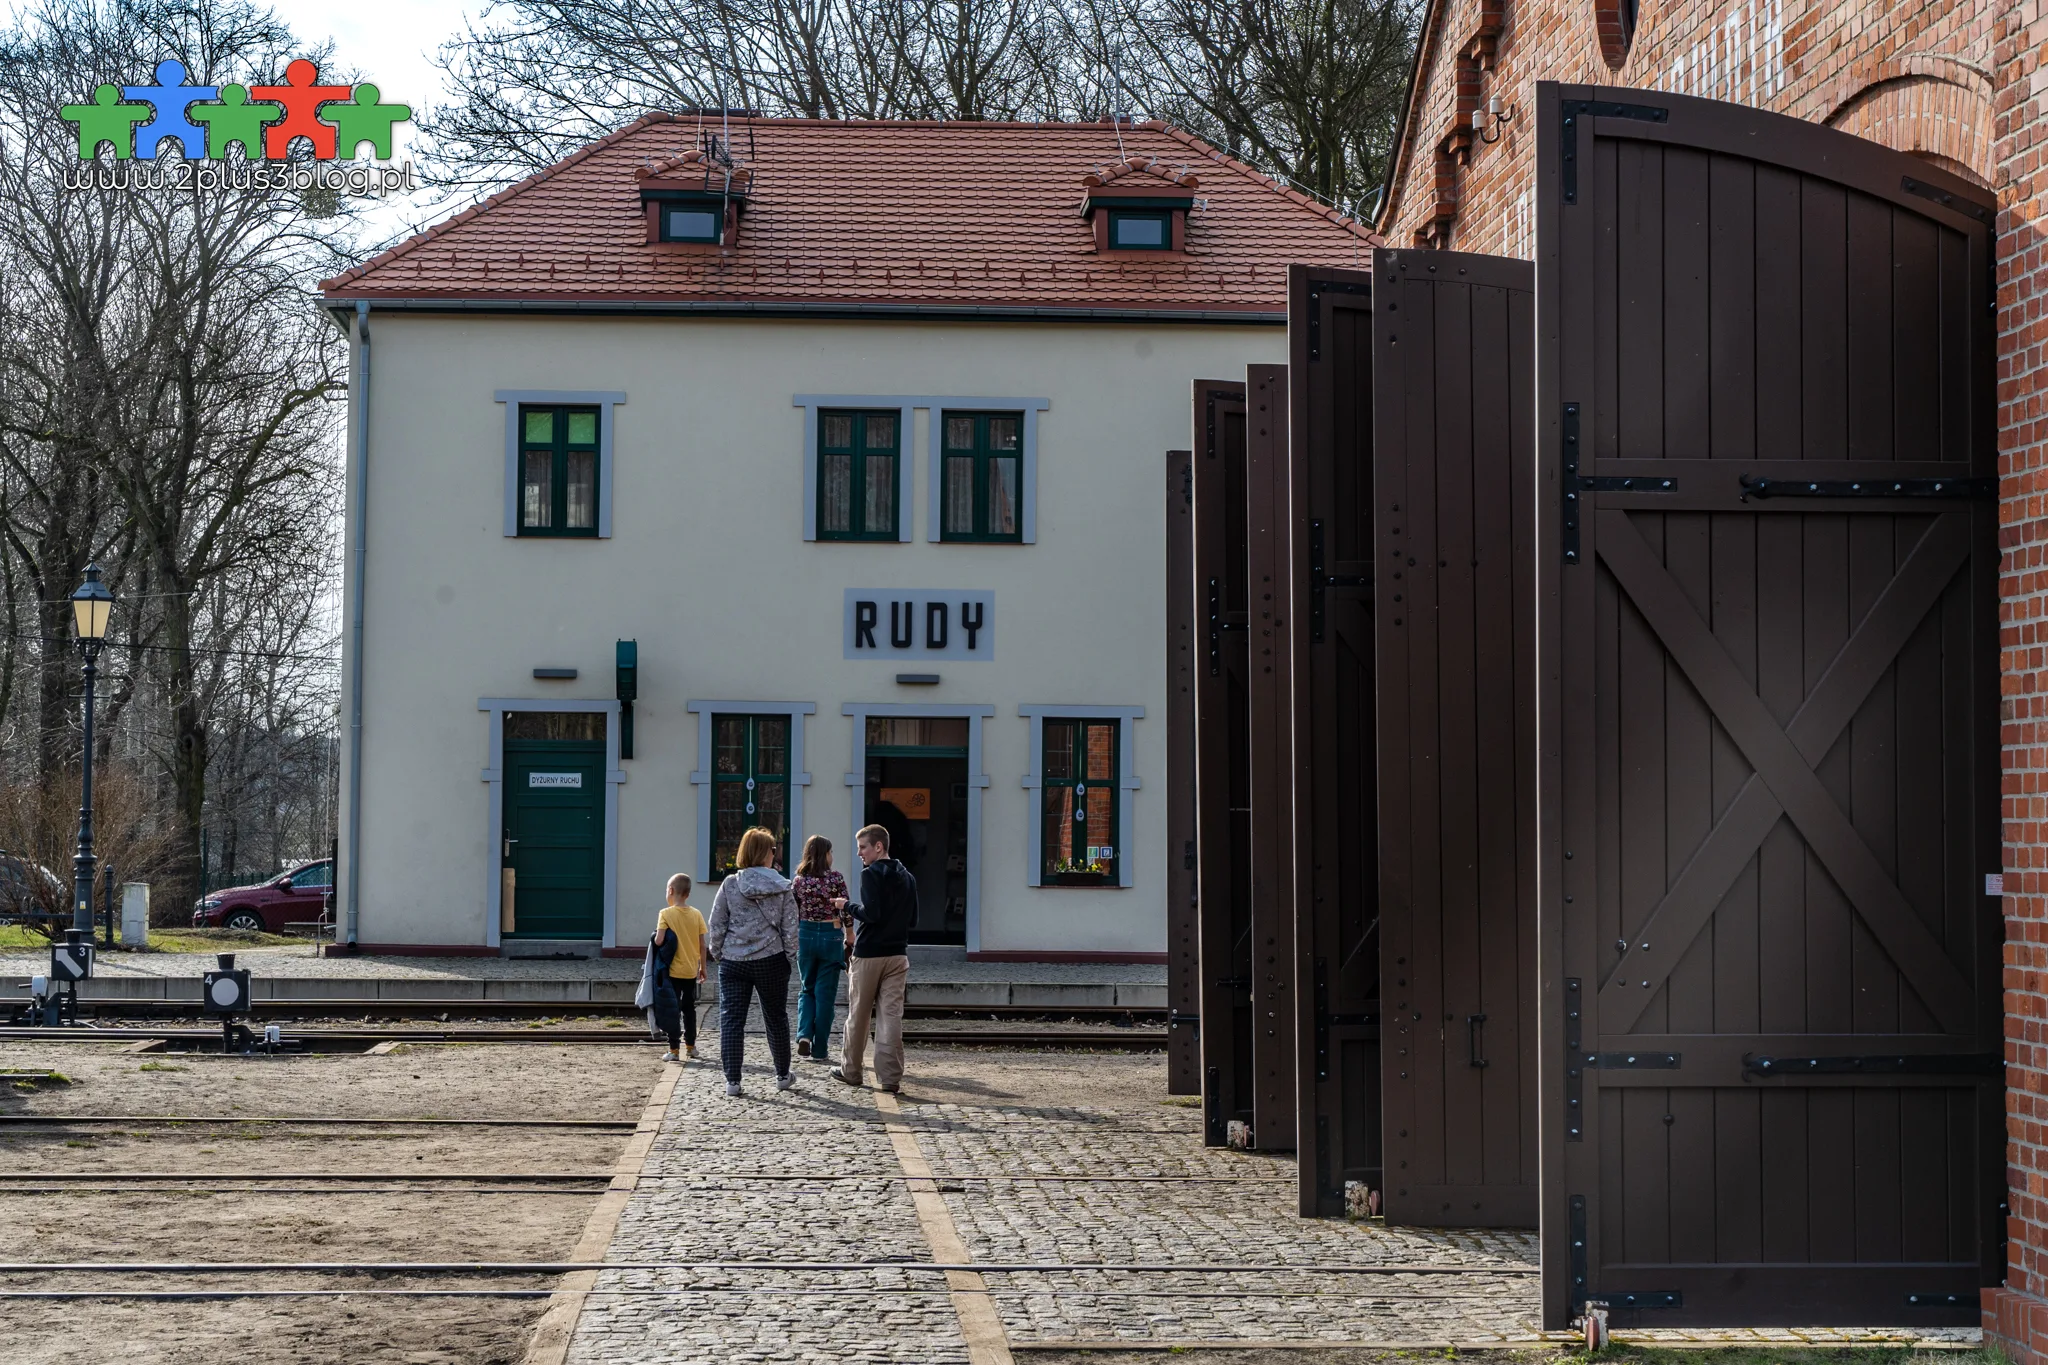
column 881, row 960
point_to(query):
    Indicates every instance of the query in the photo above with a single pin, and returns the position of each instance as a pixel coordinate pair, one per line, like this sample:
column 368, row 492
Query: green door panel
column 554, row 832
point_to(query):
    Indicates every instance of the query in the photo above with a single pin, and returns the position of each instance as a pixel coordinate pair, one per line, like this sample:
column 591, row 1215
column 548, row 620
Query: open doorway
column 917, row 790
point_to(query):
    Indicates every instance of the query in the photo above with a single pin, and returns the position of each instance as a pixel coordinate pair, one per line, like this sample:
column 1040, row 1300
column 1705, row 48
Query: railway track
column 180, row 1039
column 344, row 1007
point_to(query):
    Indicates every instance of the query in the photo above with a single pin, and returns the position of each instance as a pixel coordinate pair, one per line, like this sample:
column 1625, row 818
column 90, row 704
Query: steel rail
column 474, row 1008
column 1012, row 1178
column 63, row 1120
column 1132, row 1039
column 267, row 1177
column 1352, row 1298
column 570, row 1267
column 10, row 1187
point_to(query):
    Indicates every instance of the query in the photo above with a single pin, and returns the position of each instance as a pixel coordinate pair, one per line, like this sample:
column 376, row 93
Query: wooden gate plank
column 1269, row 680
column 1699, row 887
column 1222, row 760
column 1453, row 344
column 1795, row 785
column 1183, row 933
column 1336, row 891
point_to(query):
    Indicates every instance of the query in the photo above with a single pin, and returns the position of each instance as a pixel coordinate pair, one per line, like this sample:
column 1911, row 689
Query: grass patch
column 162, row 1066
column 1183, row 1101
column 30, row 1080
column 214, row 940
column 20, row 938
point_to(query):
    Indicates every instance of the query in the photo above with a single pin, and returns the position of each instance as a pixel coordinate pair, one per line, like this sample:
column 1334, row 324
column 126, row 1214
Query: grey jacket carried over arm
column 754, row 916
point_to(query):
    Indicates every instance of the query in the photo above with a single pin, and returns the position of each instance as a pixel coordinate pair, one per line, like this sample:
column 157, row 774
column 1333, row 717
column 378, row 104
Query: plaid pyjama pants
column 769, row 978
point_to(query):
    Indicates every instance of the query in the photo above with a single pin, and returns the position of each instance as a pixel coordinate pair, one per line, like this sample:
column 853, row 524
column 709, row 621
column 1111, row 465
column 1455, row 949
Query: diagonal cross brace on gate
column 1784, row 781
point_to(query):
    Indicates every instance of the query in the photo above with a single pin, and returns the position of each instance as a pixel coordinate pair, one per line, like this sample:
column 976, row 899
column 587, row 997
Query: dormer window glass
column 689, row 223
column 1141, row 229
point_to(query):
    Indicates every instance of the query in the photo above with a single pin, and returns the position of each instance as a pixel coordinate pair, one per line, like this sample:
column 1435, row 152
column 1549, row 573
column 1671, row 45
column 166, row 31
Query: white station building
column 795, row 473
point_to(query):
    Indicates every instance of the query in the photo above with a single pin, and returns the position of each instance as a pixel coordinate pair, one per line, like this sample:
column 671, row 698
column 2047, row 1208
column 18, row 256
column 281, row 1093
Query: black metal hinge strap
column 1315, row 310
column 1574, row 1071
column 1341, row 1020
column 1753, row 487
column 1322, row 1019
column 1645, row 1298
column 1945, row 199
column 1568, row 169
column 1182, row 1019
column 1633, row 1061
column 1576, row 483
column 1316, row 585
column 1215, row 628
column 1878, row 1064
column 1320, row 582
column 1578, row 1249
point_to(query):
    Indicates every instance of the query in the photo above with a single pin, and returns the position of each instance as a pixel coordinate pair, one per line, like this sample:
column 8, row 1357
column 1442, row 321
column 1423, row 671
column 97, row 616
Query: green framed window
column 690, row 222
column 981, row 484
column 860, row 473
column 749, row 785
column 1141, row 229
column 1081, row 790
column 558, row 471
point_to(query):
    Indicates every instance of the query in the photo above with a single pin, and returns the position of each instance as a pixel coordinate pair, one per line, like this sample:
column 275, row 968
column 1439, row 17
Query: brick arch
column 1933, row 107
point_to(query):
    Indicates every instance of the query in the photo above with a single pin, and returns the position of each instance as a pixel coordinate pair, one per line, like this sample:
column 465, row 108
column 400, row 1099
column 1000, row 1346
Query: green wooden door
column 554, row 838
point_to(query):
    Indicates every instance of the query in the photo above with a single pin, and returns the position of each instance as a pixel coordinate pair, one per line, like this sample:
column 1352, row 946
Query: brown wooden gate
column 1270, row 629
column 1769, row 965
column 1328, row 556
column 1222, row 759
column 1183, row 948
column 1453, row 482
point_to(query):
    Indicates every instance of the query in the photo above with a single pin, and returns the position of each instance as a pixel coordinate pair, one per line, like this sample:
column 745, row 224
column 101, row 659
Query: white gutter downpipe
column 355, row 626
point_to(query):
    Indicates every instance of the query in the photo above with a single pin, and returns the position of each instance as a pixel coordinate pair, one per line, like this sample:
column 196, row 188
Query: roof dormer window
column 690, row 223
column 1141, row 229
column 692, row 200
column 1139, row 205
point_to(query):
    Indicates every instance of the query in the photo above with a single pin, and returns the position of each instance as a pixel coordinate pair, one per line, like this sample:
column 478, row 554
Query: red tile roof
column 891, row 214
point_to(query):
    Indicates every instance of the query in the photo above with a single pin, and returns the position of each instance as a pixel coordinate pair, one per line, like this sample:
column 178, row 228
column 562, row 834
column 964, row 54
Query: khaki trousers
column 877, row 994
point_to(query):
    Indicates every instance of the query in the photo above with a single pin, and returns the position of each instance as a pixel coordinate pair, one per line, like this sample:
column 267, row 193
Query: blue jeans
column 821, row 960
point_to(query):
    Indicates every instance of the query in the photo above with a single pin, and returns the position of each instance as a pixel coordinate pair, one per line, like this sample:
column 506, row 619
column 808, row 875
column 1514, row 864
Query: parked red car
column 295, row 897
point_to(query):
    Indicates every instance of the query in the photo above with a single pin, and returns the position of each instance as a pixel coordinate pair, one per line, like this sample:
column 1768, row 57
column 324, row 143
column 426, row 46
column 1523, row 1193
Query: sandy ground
column 301, row 1221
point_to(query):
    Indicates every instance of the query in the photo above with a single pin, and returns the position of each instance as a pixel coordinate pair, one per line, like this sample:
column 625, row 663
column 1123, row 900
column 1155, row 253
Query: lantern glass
column 92, row 605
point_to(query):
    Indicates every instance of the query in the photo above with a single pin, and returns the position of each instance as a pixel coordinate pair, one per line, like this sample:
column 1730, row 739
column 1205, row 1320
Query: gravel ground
column 303, row 1222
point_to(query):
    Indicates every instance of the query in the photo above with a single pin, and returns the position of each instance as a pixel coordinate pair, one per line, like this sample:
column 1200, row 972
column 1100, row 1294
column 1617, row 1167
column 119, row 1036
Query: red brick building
column 1961, row 83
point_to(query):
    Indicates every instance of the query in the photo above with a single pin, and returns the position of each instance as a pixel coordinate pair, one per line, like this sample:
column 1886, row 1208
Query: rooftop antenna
column 1116, row 117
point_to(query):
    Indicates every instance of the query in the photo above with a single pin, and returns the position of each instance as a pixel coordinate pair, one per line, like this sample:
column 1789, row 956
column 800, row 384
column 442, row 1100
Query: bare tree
column 1306, row 89
column 535, row 79
column 165, row 387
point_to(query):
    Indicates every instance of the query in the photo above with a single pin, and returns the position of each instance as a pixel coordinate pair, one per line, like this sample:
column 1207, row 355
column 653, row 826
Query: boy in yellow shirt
column 679, row 947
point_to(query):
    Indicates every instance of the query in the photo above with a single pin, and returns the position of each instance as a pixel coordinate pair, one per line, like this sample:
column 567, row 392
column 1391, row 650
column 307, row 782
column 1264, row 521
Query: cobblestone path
column 1083, row 1198
column 1104, row 1175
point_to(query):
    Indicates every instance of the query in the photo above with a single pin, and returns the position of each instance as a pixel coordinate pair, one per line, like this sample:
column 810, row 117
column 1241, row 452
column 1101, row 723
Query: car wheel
column 248, row 921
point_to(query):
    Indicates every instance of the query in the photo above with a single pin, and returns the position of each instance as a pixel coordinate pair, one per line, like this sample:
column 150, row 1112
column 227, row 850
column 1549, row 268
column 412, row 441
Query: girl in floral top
column 821, row 947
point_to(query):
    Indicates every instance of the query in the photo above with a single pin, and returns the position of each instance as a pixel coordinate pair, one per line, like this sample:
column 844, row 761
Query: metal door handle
column 1476, row 1023
column 509, row 841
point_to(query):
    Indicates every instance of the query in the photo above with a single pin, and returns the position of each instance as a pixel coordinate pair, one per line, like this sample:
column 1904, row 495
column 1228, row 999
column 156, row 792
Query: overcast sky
column 392, row 43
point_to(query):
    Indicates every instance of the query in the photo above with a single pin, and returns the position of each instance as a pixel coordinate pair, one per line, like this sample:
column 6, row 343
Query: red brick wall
column 1908, row 74
column 2017, row 1316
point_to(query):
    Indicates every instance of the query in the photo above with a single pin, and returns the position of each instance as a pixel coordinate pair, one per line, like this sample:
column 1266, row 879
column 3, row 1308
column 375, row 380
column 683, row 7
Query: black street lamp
column 92, row 604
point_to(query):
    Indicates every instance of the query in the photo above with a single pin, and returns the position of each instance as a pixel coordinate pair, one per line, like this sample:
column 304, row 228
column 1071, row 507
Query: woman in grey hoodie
column 753, row 938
